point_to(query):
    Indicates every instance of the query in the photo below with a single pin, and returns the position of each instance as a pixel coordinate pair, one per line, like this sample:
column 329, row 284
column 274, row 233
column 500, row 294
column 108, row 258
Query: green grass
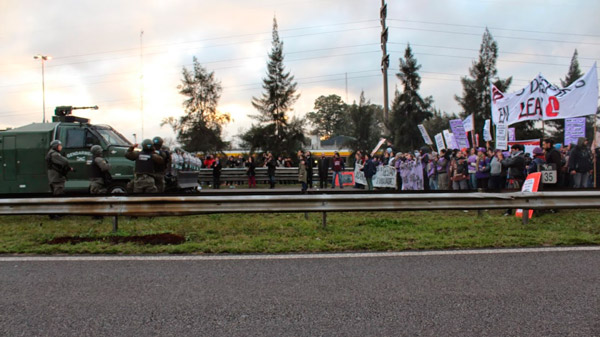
column 285, row 233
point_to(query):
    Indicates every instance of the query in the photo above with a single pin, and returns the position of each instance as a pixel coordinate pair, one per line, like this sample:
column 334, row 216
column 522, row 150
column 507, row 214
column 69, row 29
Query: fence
column 278, row 203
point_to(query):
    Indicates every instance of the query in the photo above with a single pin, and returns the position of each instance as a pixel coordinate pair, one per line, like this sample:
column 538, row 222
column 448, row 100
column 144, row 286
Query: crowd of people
column 486, row 168
column 458, row 169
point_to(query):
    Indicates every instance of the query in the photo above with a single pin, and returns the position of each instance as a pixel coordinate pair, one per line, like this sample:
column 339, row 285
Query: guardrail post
column 525, row 216
column 479, row 212
column 115, row 223
column 324, row 220
column 305, row 215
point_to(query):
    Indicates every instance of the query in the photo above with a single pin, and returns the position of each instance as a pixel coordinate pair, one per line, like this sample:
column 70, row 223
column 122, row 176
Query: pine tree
column 275, row 131
column 476, row 89
column 408, row 108
column 557, row 127
column 200, row 128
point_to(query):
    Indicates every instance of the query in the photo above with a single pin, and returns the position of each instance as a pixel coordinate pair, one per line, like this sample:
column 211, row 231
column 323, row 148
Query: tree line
column 360, row 124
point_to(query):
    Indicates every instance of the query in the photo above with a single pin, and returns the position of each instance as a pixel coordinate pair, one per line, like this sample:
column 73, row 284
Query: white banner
column 381, row 140
column 384, row 178
column 501, row 137
column 450, row 141
column 543, row 100
column 425, row 134
column 469, row 123
column 439, row 142
column 487, row 134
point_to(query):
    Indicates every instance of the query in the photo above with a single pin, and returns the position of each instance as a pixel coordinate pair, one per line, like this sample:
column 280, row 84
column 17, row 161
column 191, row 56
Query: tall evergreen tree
column 557, row 127
column 365, row 124
column 275, row 131
column 200, row 128
column 330, row 117
column 476, row 88
column 408, row 108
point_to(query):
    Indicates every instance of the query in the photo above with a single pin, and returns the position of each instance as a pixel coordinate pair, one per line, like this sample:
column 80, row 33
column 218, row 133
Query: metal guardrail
column 189, row 205
column 282, row 174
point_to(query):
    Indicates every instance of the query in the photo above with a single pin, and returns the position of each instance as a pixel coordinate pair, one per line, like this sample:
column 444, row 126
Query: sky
column 101, row 57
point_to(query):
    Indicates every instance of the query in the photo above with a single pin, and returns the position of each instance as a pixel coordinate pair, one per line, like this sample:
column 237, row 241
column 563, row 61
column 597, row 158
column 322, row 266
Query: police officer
column 146, row 162
column 99, row 171
column 161, row 169
column 58, row 167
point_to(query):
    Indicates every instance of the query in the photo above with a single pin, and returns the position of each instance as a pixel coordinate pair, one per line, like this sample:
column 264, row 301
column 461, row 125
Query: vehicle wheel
column 117, row 188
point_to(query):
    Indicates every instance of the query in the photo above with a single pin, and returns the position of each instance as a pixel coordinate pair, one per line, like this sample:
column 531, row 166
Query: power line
column 495, row 28
column 495, row 36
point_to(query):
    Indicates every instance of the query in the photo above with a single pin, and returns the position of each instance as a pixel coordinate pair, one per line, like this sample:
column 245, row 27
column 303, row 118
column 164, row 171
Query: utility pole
column 142, row 82
column 385, row 59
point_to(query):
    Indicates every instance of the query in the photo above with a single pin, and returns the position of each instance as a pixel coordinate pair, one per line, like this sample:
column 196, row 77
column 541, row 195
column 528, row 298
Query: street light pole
column 43, row 58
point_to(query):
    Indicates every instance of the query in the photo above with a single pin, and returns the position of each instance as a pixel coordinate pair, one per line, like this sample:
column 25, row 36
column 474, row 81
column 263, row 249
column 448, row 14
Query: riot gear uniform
column 57, row 167
column 146, row 162
column 161, row 169
column 99, row 171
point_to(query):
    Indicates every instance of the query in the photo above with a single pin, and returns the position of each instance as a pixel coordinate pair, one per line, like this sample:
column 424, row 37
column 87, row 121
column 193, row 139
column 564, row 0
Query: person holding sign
column 553, row 163
column 537, row 162
column 369, row 169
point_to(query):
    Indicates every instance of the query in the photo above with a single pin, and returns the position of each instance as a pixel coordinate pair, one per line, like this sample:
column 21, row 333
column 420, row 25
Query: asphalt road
column 497, row 294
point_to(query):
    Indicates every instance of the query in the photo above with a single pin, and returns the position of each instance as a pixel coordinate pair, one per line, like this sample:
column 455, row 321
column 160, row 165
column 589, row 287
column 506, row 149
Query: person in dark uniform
column 58, row 167
column 161, row 169
column 99, row 171
column 146, row 162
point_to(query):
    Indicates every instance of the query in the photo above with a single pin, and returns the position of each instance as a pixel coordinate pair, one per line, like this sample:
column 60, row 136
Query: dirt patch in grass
column 152, row 239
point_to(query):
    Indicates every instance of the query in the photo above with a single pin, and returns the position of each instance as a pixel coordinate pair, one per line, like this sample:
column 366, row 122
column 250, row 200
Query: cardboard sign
column 531, row 184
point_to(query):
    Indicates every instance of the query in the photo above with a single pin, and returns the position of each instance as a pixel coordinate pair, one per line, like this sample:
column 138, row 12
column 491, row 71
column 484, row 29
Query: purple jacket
column 483, row 170
column 472, row 162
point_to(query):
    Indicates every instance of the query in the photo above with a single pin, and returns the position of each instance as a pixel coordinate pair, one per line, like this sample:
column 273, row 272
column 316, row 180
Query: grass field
column 283, row 233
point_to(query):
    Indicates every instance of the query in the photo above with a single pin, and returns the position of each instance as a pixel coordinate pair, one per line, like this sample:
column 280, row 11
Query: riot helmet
column 54, row 144
column 96, row 150
column 158, row 142
column 147, row 145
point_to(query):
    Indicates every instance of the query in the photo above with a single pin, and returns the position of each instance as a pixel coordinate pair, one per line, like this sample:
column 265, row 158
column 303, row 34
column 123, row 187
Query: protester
column 581, row 163
column 369, row 169
column 338, row 168
column 358, row 161
column 302, row 172
column 432, row 171
column 251, row 172
column 497, row 172
column 460, row 171
column 442, row 165
column 397, row 163
column 216, row 166
column 515, row 166
column 411, row 171
column 271, row 165
column 554, row 158
column 472, row 168
column 483, row 169
column 424, row 154
column 538, row 160
column 323, row 167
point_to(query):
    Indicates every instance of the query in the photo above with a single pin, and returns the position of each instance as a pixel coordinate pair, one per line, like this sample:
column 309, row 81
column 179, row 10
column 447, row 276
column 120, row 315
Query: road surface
column 478, row 293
